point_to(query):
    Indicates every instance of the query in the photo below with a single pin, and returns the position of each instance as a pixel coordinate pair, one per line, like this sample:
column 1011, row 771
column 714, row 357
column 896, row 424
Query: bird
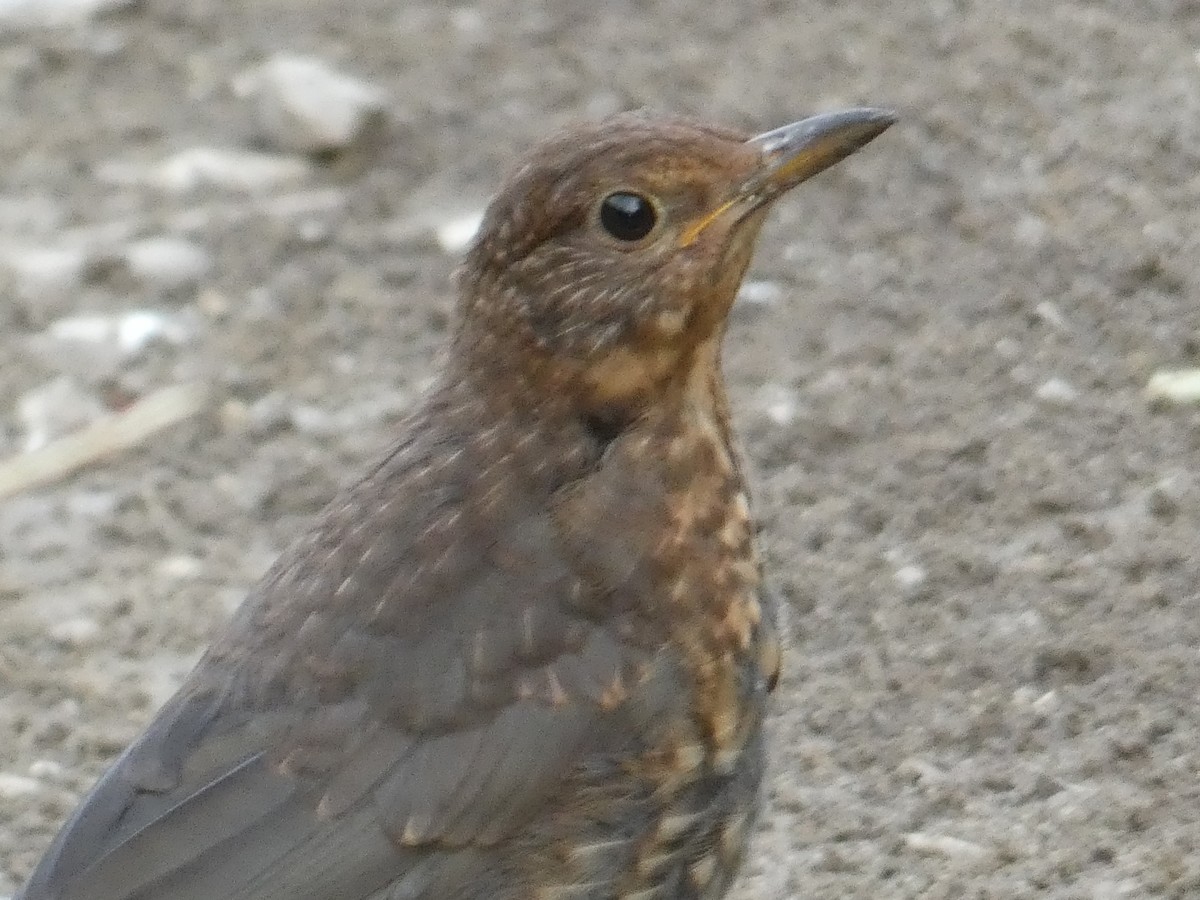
column 528, row 653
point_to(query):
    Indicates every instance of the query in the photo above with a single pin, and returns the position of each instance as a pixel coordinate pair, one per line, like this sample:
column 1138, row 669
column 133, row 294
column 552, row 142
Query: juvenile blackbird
column 525, row 656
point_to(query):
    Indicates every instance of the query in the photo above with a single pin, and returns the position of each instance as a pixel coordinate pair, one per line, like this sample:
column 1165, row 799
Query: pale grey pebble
column 55, row 408
column 167, row 262
column 304, row 105
column 94, row 346
column 755, row 298
column 19, row 15
column 1057, row 392
column 198, row 168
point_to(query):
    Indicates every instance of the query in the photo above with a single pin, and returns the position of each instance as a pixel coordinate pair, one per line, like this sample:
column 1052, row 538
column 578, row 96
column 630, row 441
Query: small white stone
column 1050, row 314
column 55, row 13
column 54, row 409
column 454, row 235
column 167, row 262
column 181, row 567
column 1174, row 386
column 910, row 576
column 1164, row 234
column 1046, row 703
column 1058, row 392
column 129, row 332
column 46, row 769
column 212, row 167
column 1031, row 231
column 1024, row 696
column 943, row 845
column 231, row 599
column 40, row 268
column 763, row 293
column 77, row 632
column 1007, row 348
column 467, row 20
column 137, row 329
column 1031, row 621
column 13, row 786
column 832, row 382
column 755, row 298
column 314, row 421
column 83, row 330
column 779, row 403
column 92, row 347
column 306, row 106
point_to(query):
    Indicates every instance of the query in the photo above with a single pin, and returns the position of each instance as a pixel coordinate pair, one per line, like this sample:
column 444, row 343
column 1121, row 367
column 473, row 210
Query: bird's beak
column 795, row 153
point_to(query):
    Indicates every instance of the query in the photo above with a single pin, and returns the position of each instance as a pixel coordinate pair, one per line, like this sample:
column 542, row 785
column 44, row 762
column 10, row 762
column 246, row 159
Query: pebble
column 170, row 263
column 162, row 261
column 763, row 293
column 1008, row 348
column 189, row 170
column 77, row 632
column 1174, row 386
column 180, row 568
column 264, row 416
column 1058, row 392
column 248, row 489
column 54, row 409
column 1031, row 231
column 37, row 269
column 93, row 347
column 13, row 786
column 1050, row 314
column 830, row 383
column 349, row 418
column 757, row 297
column 1034, row 699
column 303, row 105
column 455, row 234
column 943, row 845
column 314, row 421
column 468, row 20
column 130, row 332
column 779, row 403
column 21, row 14
column 47, row 769
column 910, row 576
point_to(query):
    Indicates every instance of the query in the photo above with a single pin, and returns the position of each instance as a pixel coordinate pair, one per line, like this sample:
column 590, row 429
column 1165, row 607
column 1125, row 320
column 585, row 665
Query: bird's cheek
column 689, row 274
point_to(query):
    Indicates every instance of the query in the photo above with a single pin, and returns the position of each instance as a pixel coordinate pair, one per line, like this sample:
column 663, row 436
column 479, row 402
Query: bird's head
column 615, row 250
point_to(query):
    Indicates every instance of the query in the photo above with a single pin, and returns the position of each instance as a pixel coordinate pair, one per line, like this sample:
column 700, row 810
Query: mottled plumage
column 527, row 655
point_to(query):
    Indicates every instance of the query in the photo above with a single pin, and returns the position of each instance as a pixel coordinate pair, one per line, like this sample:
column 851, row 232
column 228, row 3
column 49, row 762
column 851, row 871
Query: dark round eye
column 627, row 216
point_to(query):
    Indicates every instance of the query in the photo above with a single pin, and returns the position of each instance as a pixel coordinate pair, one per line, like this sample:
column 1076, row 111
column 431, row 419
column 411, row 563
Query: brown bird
column 526, row 656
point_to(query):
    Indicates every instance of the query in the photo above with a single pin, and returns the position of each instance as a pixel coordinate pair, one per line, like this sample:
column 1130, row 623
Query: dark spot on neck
column 604, row 425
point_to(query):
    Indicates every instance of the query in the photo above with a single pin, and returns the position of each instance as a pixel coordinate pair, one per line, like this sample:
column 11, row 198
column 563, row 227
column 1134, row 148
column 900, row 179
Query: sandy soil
column 985, row 534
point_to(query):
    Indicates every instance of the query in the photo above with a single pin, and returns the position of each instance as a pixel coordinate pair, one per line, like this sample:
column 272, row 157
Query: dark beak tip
column 798, row 151
column 867, row 121
column 881, row 118
column 882, row 114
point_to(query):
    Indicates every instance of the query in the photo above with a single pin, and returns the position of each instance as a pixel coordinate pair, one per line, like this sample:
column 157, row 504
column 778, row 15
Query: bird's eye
column 627, row 216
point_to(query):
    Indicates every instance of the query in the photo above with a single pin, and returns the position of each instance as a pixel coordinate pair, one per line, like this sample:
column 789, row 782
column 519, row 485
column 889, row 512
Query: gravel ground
column 984, row 528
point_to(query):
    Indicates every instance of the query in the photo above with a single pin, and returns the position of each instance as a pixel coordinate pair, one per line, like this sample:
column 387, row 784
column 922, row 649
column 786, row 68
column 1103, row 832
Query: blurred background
column 963, row 366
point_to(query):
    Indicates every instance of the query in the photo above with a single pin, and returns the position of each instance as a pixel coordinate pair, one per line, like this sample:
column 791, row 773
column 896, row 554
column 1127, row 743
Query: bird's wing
column 418, row 811
column 371, row 721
